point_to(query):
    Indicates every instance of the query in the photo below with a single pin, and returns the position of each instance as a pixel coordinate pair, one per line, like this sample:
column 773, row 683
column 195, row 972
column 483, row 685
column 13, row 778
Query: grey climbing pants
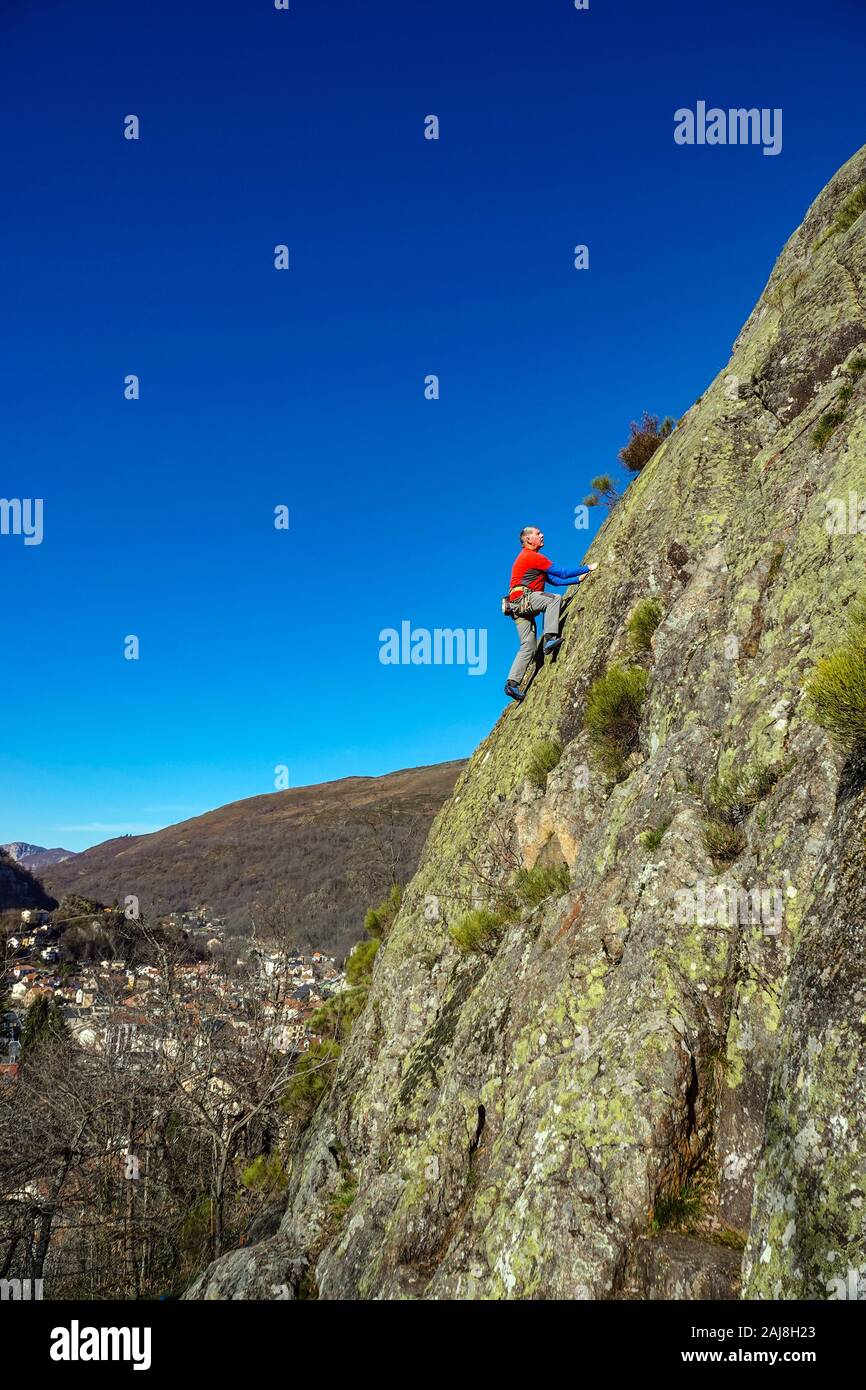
column 548, row 604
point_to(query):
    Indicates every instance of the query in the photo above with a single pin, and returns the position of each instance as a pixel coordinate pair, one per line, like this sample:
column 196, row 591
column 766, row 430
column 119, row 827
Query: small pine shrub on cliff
column 45, row 1026
column 612, row 716
column 359, row 966
column 644, row 439
column 335, row 1018
column 542, row 760
column 312, row 1079
column 604, row 490
column 836, row 696
column 379, row 920
column 826, row 427
column 266, row 1174
column 194, row 1233
column 479, row 932
column 643, row 623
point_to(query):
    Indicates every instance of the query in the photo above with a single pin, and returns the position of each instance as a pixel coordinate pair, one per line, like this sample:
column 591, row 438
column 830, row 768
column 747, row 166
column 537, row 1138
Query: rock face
column 514, row 1121
column 810, row 1203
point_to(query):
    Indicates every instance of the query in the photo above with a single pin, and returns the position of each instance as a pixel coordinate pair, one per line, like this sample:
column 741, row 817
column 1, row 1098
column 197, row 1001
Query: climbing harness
column 519, row 608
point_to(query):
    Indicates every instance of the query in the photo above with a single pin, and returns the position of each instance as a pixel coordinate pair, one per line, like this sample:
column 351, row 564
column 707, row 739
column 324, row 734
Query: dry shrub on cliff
column 644, row 439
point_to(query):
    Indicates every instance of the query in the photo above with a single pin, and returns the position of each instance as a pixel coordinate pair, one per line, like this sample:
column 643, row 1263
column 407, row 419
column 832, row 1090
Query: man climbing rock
column 526, row 599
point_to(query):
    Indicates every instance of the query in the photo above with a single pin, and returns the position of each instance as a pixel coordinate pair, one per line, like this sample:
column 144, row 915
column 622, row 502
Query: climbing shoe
column 552, row 645
column 512, row 689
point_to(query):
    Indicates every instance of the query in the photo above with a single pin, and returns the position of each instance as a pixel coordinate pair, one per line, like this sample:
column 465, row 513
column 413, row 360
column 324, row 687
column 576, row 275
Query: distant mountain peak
column 35, row 856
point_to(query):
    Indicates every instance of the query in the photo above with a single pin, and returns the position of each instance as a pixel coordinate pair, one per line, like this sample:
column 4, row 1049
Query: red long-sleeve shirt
column 528, row 571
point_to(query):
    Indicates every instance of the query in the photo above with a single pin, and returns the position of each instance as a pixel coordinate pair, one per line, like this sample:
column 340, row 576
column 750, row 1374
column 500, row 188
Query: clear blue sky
column 305, row 387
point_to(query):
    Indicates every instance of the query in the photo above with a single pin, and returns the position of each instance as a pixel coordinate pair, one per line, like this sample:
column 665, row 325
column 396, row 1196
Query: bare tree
column 121, row 1163
column 384, row 852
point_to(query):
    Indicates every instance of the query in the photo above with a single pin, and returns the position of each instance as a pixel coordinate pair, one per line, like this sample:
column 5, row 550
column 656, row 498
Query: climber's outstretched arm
column 562, row 577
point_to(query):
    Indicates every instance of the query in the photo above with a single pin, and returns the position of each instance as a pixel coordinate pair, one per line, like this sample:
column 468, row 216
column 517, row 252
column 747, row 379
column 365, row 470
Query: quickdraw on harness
column 519, row 607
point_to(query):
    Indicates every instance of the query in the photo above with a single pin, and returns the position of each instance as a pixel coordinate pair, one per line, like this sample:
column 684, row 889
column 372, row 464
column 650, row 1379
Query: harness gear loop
column 519, row 608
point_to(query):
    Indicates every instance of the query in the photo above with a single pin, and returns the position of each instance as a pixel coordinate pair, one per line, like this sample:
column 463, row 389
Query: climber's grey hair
column 525, row 532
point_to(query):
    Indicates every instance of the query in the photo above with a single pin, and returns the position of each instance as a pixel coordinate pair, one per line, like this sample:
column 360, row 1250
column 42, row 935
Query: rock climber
column 526, row 599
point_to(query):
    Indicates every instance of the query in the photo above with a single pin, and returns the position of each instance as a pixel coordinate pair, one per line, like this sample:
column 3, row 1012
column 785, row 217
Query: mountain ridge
column 35, row 856
column 304, row 843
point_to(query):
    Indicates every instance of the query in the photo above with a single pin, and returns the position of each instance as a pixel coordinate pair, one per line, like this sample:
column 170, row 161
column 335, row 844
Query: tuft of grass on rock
column 786, row 290
column 732, row 794
column 847, row 215
column 532, row 886
column 728, row 1236
column 652, row 838
column 853, row 206
column 836, row 696
column 343, row 1198
column 479, row 932
column 723, row 842
column 679, row 1210
column 729, row 797
column 832, row 419
column 693, row 1210
column 643, row 623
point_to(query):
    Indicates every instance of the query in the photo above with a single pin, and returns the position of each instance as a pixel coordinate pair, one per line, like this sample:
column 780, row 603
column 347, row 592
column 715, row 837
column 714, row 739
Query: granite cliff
column 651, row 1084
